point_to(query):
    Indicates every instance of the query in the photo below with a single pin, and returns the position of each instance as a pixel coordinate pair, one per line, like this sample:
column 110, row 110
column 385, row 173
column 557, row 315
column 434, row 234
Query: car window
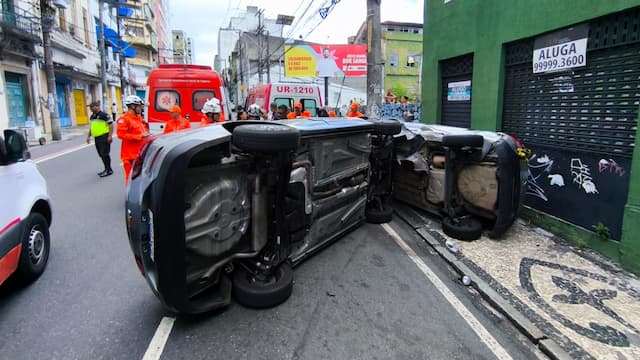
column 200, row 97
column 288, row 102
column 165, row 99
column 310, row 104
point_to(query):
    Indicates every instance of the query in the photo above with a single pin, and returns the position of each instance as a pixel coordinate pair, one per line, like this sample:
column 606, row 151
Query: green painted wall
column 482, row 27
column 403, row 76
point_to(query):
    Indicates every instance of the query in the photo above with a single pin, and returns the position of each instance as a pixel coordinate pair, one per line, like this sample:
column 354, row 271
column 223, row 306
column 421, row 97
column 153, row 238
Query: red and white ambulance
column 286, row 94
column 188, row 86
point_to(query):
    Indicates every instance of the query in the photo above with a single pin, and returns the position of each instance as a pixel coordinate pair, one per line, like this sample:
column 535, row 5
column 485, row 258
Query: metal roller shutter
column 456, row 112
column 580, row 123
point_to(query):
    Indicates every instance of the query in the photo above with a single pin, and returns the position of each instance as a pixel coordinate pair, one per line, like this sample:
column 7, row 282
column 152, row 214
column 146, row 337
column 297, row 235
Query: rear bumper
column 156, row 229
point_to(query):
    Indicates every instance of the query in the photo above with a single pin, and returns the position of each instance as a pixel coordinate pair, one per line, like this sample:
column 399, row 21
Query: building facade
column 402, row 51
column 20, row 40
column 141, row 33
column 163, row 29
column 182, row 48
column 564, row 77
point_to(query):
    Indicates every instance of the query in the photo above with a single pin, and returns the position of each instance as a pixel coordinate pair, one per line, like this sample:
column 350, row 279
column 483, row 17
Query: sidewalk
column 572, row 303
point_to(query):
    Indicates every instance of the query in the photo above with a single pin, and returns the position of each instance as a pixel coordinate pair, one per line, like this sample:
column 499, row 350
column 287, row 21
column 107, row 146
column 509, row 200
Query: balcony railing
column 20, row 25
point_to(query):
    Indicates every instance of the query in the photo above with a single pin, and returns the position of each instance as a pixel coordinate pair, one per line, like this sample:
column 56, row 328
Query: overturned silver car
column 473, row 179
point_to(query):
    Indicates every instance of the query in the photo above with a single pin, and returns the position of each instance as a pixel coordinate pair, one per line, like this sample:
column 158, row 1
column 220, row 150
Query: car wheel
column 35, row 248
column 269, row 138
column 376, row 216
column 258, row 294
column 462, row 140
column 387, row 127
column 465, row 228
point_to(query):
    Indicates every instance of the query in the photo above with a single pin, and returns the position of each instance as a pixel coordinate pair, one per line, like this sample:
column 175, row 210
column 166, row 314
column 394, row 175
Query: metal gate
column 63, row 112
column 15, row 99
column 82, row 117
column 580, row 124
column 456, row 91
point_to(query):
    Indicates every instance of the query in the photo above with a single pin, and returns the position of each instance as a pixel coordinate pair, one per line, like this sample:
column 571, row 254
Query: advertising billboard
column 325, row 60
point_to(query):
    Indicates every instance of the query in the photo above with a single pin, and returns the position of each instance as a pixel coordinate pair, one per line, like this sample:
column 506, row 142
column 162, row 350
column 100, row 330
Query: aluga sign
column 561, row 50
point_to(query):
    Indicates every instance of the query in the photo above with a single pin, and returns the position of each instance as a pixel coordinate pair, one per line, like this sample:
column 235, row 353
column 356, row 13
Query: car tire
column 261, row 295
column 375, row 216
column 466, row 228
column 387, row 127
column 36, row 242
column 265, row 138
column 462, row 140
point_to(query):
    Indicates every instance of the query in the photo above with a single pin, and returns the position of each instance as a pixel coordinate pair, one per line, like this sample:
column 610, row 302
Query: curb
column 547, row 346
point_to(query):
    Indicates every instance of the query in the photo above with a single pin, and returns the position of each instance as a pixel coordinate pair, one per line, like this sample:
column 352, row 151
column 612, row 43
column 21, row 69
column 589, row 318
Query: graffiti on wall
column 538, row 168
column 404, row 112
column 582, row 176
column 609, row 165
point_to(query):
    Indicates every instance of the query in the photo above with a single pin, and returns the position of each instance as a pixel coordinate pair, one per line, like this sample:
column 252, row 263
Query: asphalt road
column 361, row 298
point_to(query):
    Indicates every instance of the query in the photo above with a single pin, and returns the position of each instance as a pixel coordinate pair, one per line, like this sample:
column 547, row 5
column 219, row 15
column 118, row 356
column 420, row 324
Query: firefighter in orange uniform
column 297, row 111
column 212, row 111
column 353, row 112
column 132, row 131
column 177, row 122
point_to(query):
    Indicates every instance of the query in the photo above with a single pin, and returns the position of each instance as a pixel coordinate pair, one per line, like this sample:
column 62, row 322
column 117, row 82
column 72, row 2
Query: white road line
column 60, row 153
column 154, row 351
column 479, row 329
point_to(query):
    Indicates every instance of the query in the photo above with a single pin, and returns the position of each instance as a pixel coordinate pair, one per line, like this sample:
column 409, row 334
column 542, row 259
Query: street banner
column 561, row 50
column 325, row 60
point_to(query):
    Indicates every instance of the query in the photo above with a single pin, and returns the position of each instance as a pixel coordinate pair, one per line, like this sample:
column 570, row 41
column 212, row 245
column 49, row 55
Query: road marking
column 479, row 329
column 60, row 153
column 154, row 351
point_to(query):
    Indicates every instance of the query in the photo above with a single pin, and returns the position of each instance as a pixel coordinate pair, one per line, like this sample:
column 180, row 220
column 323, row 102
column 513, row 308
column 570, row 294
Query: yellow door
column 118, row 100
column 81, row 107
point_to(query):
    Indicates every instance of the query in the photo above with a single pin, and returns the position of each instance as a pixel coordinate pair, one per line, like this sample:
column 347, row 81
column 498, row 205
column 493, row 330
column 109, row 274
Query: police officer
column 101, row 129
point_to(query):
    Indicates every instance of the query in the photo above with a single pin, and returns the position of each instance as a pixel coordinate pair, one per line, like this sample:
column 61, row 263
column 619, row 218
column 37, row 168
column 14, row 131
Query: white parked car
column 25, row 214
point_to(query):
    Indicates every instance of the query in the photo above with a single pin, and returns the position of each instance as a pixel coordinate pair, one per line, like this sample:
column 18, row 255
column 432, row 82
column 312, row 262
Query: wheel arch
column 42, row 207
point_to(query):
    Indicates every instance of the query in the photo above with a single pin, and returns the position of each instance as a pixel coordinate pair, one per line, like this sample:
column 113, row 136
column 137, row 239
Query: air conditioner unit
column 60, row 4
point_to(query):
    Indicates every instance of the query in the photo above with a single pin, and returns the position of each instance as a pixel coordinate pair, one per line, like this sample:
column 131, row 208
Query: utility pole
column 260, row 50
column 46, row 17
column 121, row 56
column 268, row 59
column 103, row 55
column 374, row 62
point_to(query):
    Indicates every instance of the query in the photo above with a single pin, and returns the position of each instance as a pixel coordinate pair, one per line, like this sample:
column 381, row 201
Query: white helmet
column 133, row 100
column 211, row 106
column 254, row 110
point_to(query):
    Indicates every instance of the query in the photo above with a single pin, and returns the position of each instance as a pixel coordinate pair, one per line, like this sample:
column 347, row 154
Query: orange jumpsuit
column 306, row 114
column 131, row 130
column 173, row 125
column 355, row 114
column 205, row 120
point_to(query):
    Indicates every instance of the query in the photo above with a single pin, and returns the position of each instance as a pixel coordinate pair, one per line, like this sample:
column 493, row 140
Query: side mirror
column 16, row 146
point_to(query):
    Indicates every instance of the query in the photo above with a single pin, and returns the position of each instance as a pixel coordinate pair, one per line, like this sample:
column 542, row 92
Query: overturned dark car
column 229, row 209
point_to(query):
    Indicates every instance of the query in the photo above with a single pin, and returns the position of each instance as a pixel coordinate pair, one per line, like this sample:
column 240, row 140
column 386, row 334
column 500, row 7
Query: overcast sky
column 201, row 19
